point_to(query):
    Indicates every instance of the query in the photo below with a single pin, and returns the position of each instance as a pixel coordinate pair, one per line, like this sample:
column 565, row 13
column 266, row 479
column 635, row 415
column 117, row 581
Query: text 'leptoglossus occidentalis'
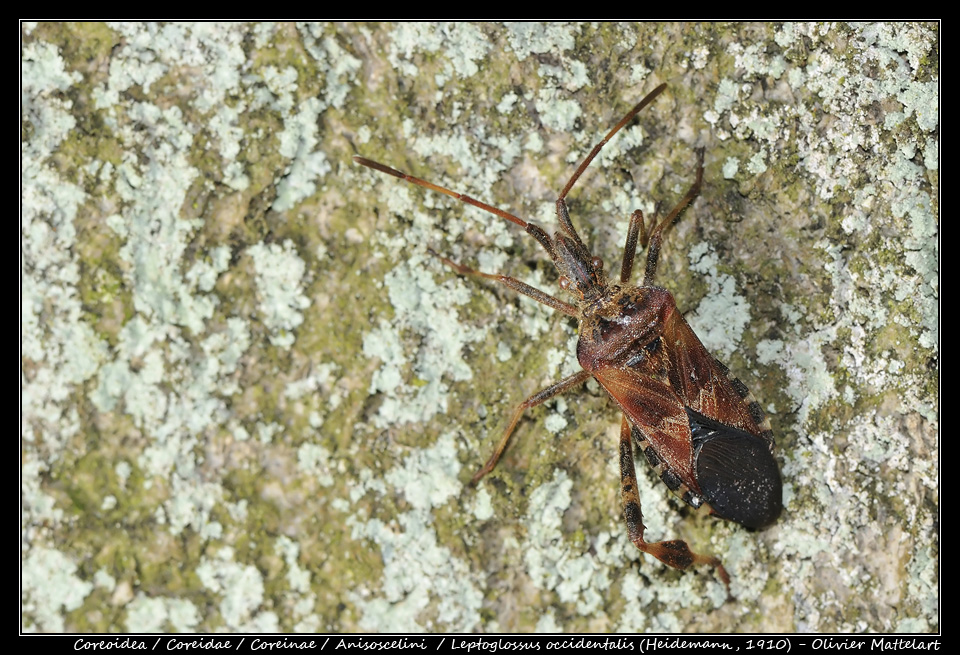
column 699, row 428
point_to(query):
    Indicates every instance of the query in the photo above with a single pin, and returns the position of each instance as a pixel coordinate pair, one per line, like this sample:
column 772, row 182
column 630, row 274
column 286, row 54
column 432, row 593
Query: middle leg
column 540, row 397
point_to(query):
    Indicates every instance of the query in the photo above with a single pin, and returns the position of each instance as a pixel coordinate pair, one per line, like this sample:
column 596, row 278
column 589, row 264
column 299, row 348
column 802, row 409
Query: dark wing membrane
column 736, row 472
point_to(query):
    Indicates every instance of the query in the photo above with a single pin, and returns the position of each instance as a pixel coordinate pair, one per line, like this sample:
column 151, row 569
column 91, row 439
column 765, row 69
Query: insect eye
column 597, row 264
column 564, row 282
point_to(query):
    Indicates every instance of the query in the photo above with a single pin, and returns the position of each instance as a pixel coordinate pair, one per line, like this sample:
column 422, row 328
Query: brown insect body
column 700, row 429
column 641, row 350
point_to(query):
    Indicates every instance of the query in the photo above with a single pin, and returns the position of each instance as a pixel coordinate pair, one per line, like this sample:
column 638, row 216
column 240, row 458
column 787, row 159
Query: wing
column 704, row 383
column 701, row 429
column 657, row 412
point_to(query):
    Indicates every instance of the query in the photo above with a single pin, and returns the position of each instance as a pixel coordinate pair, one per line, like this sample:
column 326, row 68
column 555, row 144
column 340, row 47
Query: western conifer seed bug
column 699, row 428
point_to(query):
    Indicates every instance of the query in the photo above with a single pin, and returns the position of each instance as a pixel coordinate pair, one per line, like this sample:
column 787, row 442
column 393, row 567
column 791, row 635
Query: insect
column 697, row 426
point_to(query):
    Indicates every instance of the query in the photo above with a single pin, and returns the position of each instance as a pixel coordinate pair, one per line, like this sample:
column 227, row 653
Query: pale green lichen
column 722, row 316
column 50, row 587
column 241, row 591
column 146, row 614
column 419, row 571
column 280, row 273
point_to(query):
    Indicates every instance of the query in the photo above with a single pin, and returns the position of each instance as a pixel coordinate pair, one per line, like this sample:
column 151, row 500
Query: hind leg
column 674, row 553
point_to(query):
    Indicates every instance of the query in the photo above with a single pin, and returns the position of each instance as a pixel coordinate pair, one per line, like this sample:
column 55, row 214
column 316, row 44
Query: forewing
column 705, row 385
column 654, row 408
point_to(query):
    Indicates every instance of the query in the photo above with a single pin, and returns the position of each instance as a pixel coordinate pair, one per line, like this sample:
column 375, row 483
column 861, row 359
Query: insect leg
column 515, row 284
column 562, row 214
column 541, row 396
column 656, row 236
column 637, row 229
column 674, row 553
column 630, row 249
